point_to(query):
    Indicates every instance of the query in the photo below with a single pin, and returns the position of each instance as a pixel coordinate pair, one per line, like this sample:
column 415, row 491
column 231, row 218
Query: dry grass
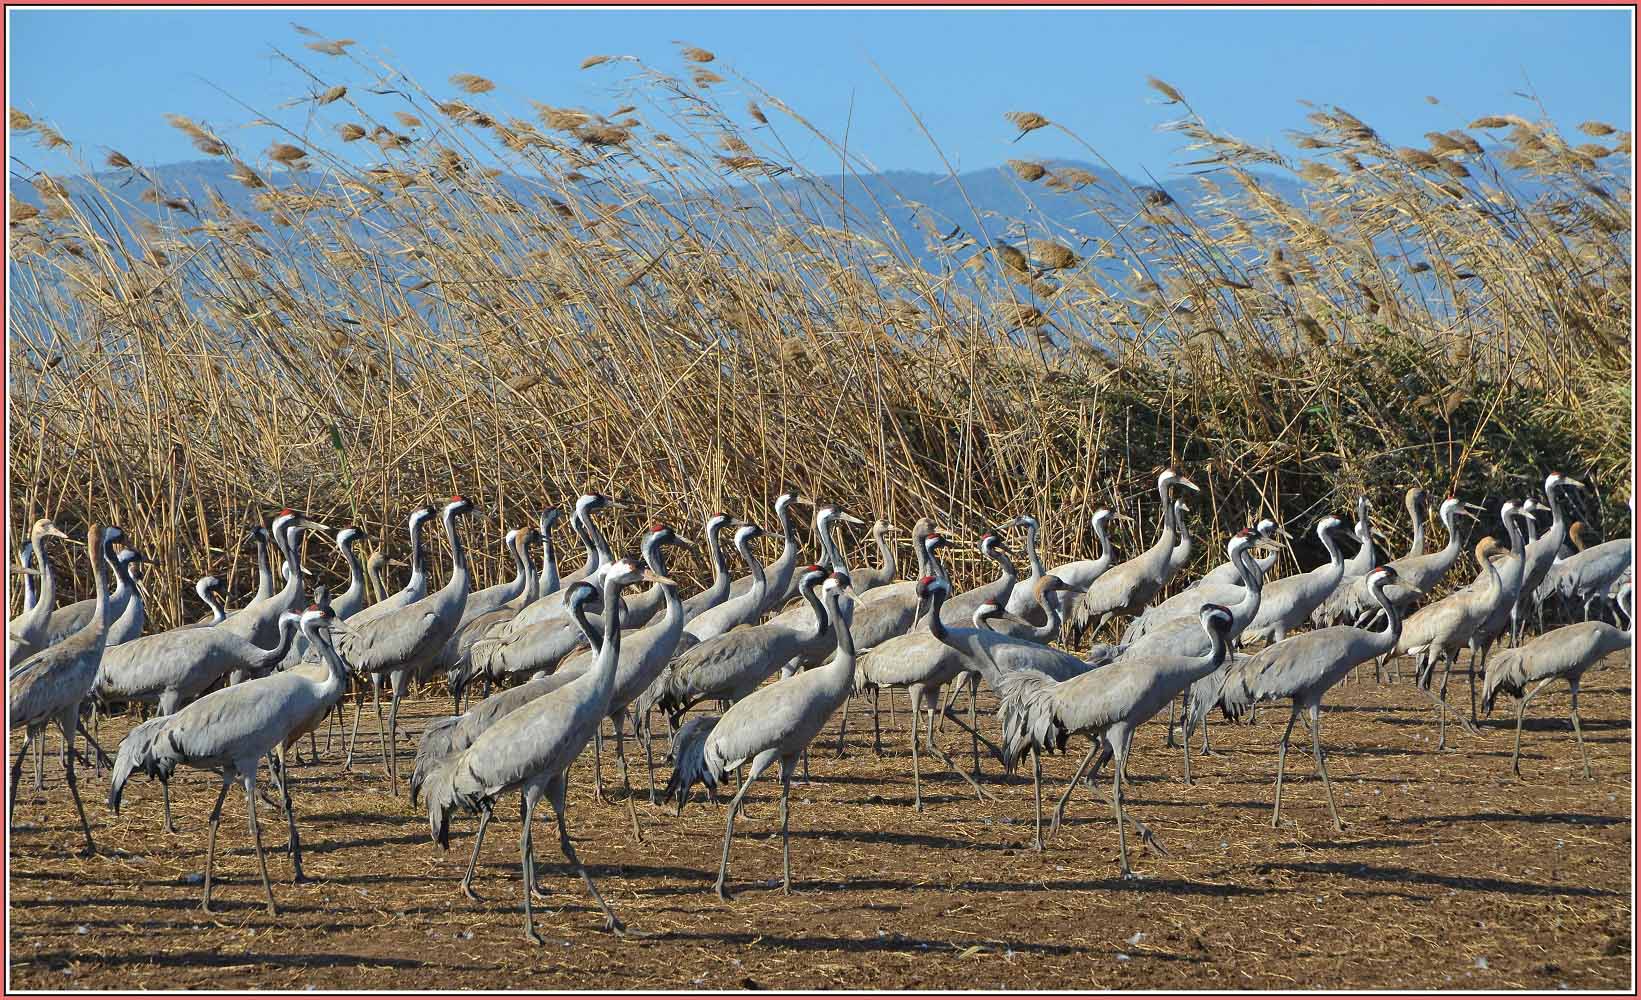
column 623, row 318
column 1449, row 875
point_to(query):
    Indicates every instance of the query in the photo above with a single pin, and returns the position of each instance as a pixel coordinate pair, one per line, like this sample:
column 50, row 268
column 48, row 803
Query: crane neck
column 834, row 558
column 1032, row 555
column 1450, row 522
column 889, row 565
column 47, row 597
column 338, row 675
column 264, row 575
column 920, row 535
column 600, row 544
column 715, row 550
column 655, row 557
column 356, row 574
column 789, row 530
column 589, row 628
column 209, row 596
column 823, row 621
column 1336, row 558
column 1416, row 547
column 267, row 658
column 1103, row 561
column 579, row 526
column 459, row 581
column 1392, row 632
column 1046, row 632
column 26, row 557
column 609, row 651
column 843, row 664
column 102, row 555
column 418, row 560
column 1007, row 577
column 547, row 581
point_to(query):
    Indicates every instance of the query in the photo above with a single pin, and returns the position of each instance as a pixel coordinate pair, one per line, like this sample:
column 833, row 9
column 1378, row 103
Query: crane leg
column 1322, row 766
column 555, row 795
column 787, row 766
column 401, row 684
column 974, row 722
column 67, row 724
column 915, row 694
column 485, row 812
column 1447, row 668
column 527, row 863
column 381, row 722
column 1521, row 713
column 598, row 764
column 1282, row 766
column 40, row 761
column 649, row 751
column 877, row 733
column 843, row 727
column 626, row 784
column 759, row 763
column 211, row 843
column 102, row 757
column 1095, row 747
column 256, row 837
column 1168, row 741
column 353, row 737
column 17, row 773
column 892, row 722
column 1037, row 795
column 1578, row 732
column 934, row 751
column 165, row 796
column 283, row 777
column 1116, row 807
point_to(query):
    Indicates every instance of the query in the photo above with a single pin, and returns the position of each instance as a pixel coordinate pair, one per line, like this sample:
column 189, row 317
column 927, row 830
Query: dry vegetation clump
column 660, row 303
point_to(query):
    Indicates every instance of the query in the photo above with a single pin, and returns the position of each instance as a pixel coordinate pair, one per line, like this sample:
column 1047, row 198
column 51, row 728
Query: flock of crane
column 781, row 650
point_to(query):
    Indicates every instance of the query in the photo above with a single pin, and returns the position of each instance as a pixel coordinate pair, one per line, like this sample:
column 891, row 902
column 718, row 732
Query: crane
column 770, row 725
column 1287, row 603
column 780, row 581
column 50, row 685
column 547, row 581
column 718, row 590
column 531, row 748
column 1435, row 631
column 1564, row 653
column 398, row 643
column 1541, row 554
column 1128, row 587
column 231, row 729
column 871, row 578
column 1039, row 713
column 1302, row 669
column 1418, row 511
column 26, row 633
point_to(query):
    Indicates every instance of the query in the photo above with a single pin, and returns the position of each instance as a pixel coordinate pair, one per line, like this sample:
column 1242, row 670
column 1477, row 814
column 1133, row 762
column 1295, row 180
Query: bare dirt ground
column 1450, row 874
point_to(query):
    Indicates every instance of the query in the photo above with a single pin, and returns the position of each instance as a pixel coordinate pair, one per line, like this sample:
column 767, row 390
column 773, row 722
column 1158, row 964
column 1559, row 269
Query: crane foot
column 723, row 893
column 531, row 936
column 613, row 924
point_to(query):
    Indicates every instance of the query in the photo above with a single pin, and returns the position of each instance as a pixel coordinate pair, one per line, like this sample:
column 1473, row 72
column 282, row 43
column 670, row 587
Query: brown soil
column 1450, row 874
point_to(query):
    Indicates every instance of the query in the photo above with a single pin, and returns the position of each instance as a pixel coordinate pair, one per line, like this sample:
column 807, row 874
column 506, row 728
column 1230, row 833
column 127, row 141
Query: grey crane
column 50, row 685
column 531, row 748
column 460, row 648
column 171, row 669
column 870, row 578
column 1564, row 653
column 1303, row 669
column 1180, row 556
column 780, row 576
column 1512, row 570
column 1346, row 601
column 644, row 653
column 1127, row 588
column 258, row 620
column 773, row 724
column 1286, row 604
column 904, row 591
column 1182, row 607
column 231, row 729
column 1021, row 599
column 399, row 643
column 72, row 618
column 481, row 606
column 737, row 610
column 257, row 538
column 1589, row 575
column 26, row 633
column 1039, row 714
column 524, row 626
column 1419, row 574
column 131, row 618
column 732, row 665
column 1541, row 554
column 1435, row 632
column 416, row 587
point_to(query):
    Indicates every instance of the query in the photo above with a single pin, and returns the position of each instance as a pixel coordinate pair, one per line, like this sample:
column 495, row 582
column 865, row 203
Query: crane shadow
column 1564, row 819
column 217, row 959
column 1409, row 876
column 883, row 943
column 900, row 839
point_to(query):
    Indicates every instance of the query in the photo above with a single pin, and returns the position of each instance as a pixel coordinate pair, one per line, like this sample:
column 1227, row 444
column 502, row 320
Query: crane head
column 1216, row 618
column 580, row 593
column 929, row 585
column 45, row 527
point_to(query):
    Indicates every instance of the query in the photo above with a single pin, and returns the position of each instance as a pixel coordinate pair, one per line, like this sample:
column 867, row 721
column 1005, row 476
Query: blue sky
column 106, row 78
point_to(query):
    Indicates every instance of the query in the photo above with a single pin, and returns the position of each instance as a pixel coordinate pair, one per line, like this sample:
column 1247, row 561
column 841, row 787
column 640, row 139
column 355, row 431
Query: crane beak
column 1072, row 588
column 26, row 570
column 1266, row 545
column 1182, row 481
column 56, row 532
column 804, row 500
column 685, row 543
column 313, row 526
column 1009, row 616
column 1573, row 482
column 848, row 518
column 653, row 577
